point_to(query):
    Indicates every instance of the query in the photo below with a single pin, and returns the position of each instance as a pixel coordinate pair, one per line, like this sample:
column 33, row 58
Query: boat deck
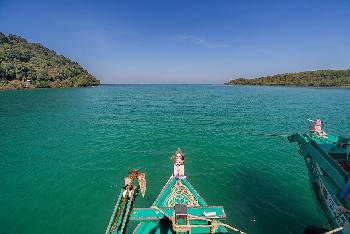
column 177, row 191
column 339, row 154
column 152, row 214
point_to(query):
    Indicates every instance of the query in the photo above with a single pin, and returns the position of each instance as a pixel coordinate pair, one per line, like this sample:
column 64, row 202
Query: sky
column 187, row 41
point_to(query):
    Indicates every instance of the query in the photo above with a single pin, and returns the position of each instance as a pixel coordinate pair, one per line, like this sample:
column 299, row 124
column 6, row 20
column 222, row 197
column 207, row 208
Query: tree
column 21, row 60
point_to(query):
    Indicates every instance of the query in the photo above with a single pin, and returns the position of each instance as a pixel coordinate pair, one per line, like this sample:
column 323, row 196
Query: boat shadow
column 163, row 227
column 267, row 203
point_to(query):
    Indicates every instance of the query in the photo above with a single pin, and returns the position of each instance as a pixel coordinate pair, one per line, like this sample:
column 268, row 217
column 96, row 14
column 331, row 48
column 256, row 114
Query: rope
column 219, row 223
column 337, row 229
column 214, row 225
column 342, row 210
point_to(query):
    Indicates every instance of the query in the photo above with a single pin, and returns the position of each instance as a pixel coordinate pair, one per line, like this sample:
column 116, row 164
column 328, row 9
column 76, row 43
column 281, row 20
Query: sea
column 64, row 152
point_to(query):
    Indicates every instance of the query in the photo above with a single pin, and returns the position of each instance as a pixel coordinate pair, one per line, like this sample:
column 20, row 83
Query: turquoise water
column 64, row 152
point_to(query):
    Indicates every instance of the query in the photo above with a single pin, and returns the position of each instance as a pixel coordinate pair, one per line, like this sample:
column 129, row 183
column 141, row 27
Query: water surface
column 64, row 152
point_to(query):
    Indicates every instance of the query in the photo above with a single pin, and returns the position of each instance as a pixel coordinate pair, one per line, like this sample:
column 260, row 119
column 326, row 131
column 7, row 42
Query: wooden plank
column 150, row 214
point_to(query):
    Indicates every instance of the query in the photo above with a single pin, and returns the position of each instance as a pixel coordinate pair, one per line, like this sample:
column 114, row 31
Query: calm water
column 64, row 152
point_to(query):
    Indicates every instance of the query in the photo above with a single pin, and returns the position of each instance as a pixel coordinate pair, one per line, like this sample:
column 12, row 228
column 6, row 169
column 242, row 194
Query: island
column 31, row 65
column 319, row 78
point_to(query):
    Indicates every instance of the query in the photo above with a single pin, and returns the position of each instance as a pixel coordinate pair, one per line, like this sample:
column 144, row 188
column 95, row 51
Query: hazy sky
column 189, row 41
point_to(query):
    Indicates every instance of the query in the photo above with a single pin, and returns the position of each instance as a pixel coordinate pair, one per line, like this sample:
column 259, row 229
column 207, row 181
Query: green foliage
column 308, row 78
column 24, row 64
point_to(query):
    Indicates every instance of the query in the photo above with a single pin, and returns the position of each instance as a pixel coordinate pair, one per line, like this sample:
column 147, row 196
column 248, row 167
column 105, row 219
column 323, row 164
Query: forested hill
column 31, row 65
column 307, row 78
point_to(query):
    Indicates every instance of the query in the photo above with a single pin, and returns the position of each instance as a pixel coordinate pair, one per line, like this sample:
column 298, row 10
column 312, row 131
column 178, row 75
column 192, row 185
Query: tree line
column 308, row 78
column 31, row 65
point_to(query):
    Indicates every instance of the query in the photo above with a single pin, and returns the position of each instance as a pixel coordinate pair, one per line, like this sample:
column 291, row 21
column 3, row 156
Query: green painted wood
column 165, row 192
column 163, row 226
column 150, row 214
column 309, row 146
column 194, row 192
column 116, row 207
column 327, row 176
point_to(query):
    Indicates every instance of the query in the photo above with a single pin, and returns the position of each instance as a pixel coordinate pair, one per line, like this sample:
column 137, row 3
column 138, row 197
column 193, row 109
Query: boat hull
column 178, row 208
column 324, row 201
column 327, row 177
column 167, row 199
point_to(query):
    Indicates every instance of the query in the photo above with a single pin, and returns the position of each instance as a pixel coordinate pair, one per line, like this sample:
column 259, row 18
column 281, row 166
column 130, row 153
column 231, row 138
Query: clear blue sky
column 184, row 41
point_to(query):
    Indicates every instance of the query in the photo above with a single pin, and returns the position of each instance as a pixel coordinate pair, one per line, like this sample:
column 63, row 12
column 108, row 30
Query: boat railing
column 324, row 160
column 330, row 159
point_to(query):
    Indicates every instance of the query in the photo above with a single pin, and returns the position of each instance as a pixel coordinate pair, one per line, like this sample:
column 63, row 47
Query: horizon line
column 162, row 84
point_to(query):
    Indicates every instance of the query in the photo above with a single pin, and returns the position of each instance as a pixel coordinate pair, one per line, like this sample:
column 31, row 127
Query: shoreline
column 4, row 88
column 290, row 85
